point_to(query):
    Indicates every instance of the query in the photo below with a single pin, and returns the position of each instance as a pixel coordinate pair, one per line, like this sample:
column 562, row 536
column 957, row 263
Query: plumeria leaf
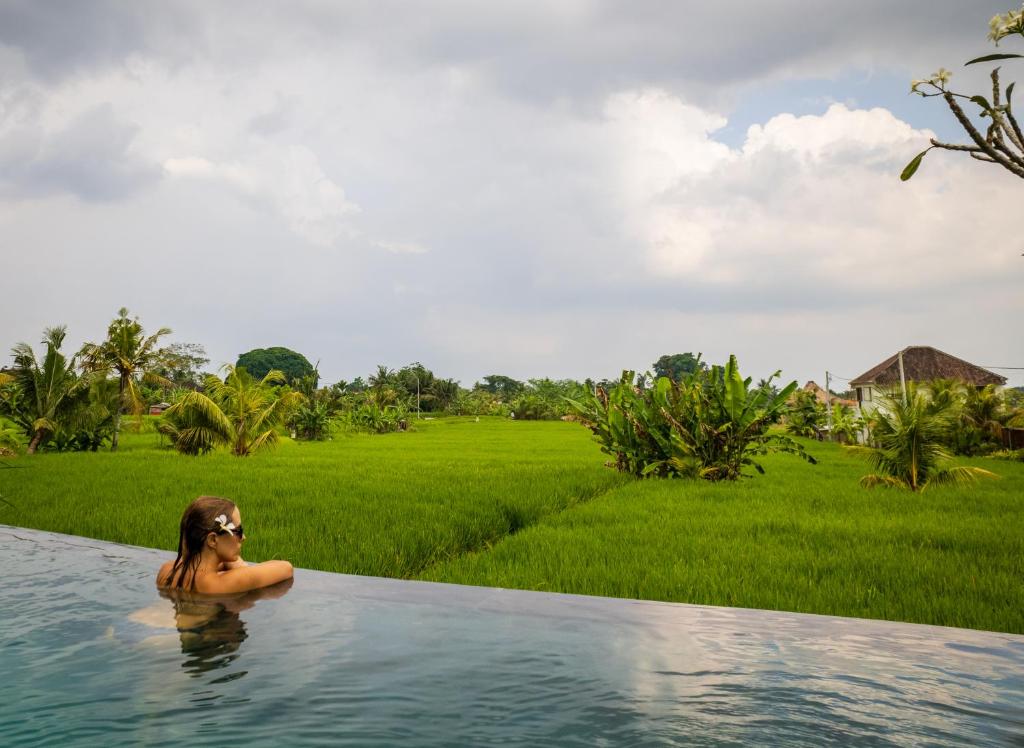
column 911, row 168
column 991, row 58
column 982, row 102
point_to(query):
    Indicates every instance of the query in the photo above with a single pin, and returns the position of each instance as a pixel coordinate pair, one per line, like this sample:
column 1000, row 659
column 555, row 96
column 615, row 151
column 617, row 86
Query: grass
column 800, row 538
column 530, row 505
column 387, row 505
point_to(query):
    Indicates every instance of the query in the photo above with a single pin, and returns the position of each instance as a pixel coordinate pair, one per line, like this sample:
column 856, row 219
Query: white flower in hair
column 225, row 526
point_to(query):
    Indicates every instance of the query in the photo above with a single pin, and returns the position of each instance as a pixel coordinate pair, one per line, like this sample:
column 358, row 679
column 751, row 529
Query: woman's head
column 211, row 523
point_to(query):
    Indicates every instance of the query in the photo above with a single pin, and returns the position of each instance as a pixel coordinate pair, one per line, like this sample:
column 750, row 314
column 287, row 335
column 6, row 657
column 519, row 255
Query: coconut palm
column 445, row 392
column 43, row 389
column 846, row 424
column 910, row 454
column 944, row 394
column 984, row 410
column 239, row 411
column 132, row 356
column 384, row 377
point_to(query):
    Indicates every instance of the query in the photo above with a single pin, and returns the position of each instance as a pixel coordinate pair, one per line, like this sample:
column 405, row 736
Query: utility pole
column 828, row 407
column 903, row 379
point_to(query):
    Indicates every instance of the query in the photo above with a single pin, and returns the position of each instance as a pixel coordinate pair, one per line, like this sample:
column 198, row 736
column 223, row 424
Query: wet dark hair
column 196, row 523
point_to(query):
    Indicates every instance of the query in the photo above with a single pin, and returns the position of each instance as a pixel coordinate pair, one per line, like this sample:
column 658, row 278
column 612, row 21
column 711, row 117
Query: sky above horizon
column 530, row 189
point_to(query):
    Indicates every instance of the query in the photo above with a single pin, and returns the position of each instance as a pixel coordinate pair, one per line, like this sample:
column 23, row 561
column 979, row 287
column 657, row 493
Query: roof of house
column 922, row 363
column 820, row 395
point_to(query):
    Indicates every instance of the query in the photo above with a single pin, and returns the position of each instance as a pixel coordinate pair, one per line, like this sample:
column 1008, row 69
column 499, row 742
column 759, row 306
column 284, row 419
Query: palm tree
column 384, row 377
column 910, row 453
column 238, row 411
column 44, row 387
column 846, row 424
column 945, row 394
column 444, row 392
column 985, row 411
column 132, row 356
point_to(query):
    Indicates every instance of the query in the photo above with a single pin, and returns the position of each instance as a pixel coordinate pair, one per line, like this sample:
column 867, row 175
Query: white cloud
column 838, row 131
column 402, row 248
column 290, row 181
column 814, row 197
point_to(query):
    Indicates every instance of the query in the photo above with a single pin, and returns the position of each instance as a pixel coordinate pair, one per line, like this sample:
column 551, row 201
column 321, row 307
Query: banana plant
column 708, row 425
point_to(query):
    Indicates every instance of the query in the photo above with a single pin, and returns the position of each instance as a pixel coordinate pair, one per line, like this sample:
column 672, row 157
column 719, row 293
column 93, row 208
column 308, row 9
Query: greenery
column 41, row 391
column 132, row 356
column 909, row 433
column 677, row 366
column 528, row 504
column 181, row 365
column 1003, row 141
column 240, row 412
column 805, row 414
column 708, row 425
column 261, row 361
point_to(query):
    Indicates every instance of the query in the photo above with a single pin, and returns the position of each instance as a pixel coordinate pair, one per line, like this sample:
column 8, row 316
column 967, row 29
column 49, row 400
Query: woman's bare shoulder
column 164, row 574
column 244, row 578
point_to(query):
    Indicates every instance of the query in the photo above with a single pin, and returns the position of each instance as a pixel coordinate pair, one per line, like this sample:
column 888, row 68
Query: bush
column 708, row 425
column 375, row 419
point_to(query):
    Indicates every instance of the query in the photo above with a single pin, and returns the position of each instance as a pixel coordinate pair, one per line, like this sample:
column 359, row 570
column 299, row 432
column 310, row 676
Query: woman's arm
column 247, row 578
column 239, row 564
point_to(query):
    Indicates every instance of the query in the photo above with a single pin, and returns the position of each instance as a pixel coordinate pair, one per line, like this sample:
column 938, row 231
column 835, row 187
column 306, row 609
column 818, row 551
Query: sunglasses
column 238, row 532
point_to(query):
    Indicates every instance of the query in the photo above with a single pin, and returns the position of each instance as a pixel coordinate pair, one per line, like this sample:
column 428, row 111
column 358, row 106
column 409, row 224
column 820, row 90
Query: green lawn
column 530, row 505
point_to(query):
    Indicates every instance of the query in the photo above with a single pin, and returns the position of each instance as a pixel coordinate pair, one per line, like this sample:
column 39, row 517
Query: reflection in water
column 209, row 628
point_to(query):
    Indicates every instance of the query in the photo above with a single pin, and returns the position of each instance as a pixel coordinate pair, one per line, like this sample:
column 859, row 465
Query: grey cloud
column 65, row 37
column 90, row 158
column 529, row 50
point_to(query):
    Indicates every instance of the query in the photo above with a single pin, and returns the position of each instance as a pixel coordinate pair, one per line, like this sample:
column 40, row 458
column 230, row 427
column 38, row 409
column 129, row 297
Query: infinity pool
column 91, row 654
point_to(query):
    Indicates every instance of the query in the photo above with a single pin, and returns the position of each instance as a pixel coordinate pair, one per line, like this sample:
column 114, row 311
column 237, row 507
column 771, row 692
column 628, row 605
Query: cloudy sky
column 557, row 189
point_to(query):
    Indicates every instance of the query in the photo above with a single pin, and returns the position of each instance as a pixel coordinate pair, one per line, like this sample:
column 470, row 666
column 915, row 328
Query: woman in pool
column 209, row 553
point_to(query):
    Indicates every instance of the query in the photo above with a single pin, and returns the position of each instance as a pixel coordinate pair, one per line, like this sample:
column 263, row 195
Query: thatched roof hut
column 922, row 363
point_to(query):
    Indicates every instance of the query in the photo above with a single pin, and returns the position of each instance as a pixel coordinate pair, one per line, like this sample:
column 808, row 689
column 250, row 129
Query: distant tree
column 767, row 386
column 444, row 393
column 41, row 390
column 415, row 382
column 504, row 387
column 132, row 356
column 678, row 365
column 181, row 364
column 261, row 361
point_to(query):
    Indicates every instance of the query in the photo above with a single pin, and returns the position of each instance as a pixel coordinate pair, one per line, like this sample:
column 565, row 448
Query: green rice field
column 531, row 505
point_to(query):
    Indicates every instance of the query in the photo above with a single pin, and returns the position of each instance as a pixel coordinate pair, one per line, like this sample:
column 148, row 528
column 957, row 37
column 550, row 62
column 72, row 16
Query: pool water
column 91, row 654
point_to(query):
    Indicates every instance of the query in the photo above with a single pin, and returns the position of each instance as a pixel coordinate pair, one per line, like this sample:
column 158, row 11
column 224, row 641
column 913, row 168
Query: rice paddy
column 531, row 505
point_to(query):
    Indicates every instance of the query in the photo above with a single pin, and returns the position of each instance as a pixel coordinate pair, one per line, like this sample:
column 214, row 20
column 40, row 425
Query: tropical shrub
column 11, row 440
column 312, row 420
column 478, row 402
column 804, row 414
column 546, row 399
column 88, row 421
column 41, row 393
column 846, row 424
column 710, row 424
column 239, row 411
column 376, row 419
column 1009, row 454
column 909, row 434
